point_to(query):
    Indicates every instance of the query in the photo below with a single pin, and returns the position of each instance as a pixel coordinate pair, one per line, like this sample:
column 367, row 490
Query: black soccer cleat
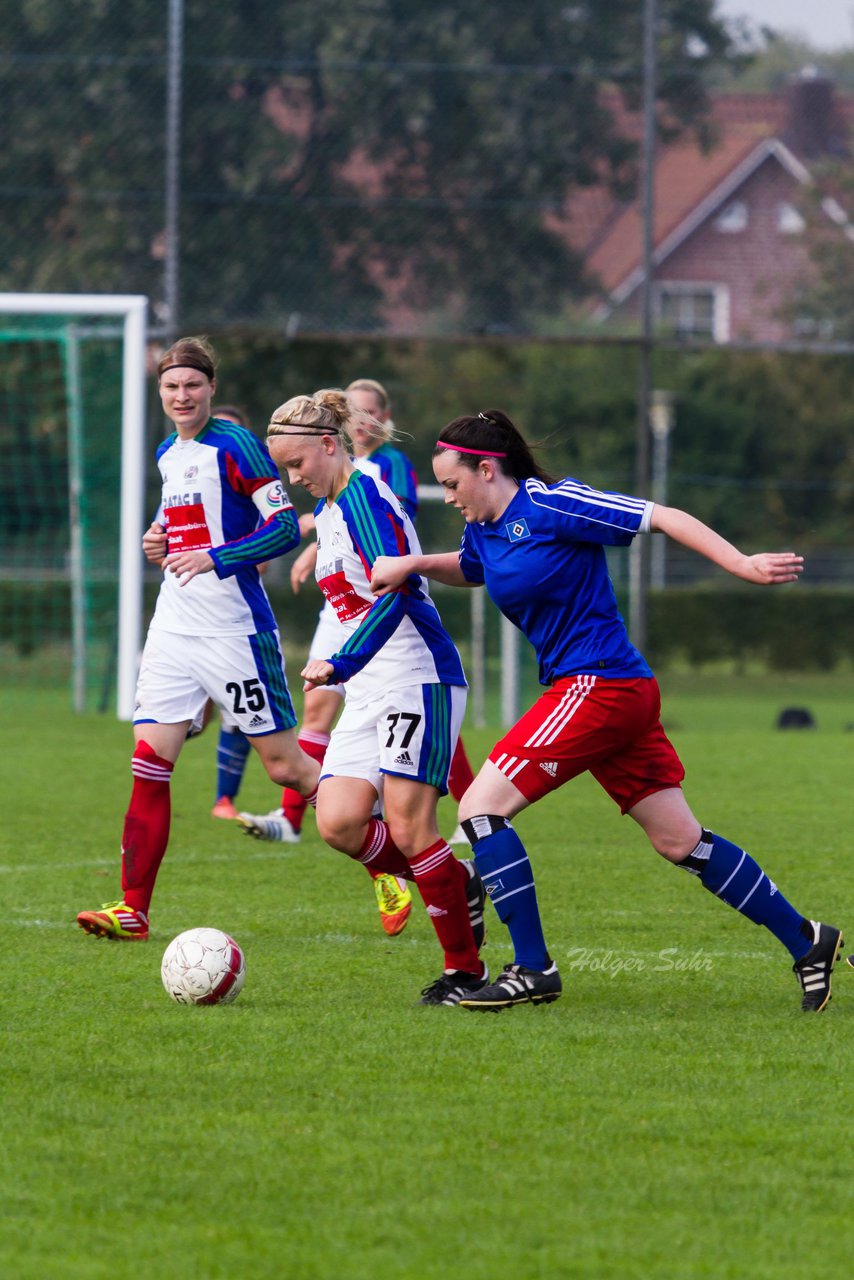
column 476, row 899
column 814, row 970
column 517, row 985
column 453, row 985
column 849, row 960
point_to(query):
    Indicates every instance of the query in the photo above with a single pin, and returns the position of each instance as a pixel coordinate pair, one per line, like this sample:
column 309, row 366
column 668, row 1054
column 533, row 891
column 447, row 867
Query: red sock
column 146, row 829
column 441, row 881
column 293, row 804
column 460, row 777
column 379, row 854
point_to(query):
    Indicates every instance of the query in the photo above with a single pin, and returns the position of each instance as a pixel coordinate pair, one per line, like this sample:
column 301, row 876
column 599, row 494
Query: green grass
column 674, row 1115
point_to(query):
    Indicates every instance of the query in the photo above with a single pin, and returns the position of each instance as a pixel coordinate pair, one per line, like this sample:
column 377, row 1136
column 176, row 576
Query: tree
column 342, row 164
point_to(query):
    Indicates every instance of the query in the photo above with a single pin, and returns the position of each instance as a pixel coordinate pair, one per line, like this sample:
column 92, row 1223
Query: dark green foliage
column 329, row 152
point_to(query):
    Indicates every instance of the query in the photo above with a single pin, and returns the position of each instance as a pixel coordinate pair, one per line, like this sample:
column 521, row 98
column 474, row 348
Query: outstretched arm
column 390, row 572
column 766, row 569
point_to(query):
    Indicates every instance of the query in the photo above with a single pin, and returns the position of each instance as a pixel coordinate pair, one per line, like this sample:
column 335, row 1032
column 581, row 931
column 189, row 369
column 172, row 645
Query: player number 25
column 251, row 691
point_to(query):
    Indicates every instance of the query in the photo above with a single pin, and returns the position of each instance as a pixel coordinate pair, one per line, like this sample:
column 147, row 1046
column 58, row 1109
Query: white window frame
column 790, row 221
column 733, row 218
column 720, row 294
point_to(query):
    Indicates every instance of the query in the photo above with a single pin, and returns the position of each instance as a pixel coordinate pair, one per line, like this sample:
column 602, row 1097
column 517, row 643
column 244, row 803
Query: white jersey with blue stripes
column 221, row 494
column 543, row 563
column 393, row 641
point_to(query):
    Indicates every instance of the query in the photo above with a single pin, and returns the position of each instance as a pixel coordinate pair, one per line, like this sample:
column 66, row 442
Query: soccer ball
column 203, row 966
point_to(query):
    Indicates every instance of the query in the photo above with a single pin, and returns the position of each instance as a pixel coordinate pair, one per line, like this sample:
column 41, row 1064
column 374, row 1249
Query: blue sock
column 232, row 750
column 733, row 876
column 503, row 865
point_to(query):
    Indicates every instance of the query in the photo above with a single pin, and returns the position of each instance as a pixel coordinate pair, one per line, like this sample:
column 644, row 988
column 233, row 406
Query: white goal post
column 132, row 310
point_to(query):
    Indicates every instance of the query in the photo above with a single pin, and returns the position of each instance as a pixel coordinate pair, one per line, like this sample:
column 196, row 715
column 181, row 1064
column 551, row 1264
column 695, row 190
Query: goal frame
column 132, row 309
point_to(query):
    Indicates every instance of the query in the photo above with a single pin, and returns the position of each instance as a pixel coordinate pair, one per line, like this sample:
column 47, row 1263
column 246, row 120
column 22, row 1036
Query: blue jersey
column 392, row 641
column 543, row 563
column 221, row 494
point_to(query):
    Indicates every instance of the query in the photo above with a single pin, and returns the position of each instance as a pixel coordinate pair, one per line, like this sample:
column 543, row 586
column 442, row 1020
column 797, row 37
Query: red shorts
column 611, row 727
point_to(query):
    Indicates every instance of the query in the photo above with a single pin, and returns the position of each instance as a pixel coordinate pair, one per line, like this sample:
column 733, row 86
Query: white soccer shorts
column 412, row 733
column 245, row 675
column 328, row 638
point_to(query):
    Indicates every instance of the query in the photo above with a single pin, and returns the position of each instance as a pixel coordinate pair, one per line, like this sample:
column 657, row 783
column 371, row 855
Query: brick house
column 730, row 243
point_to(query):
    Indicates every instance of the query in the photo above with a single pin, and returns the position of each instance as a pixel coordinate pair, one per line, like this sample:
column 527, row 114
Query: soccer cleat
column 517, row 985
column 849, row 960
column 116, row 921
column 224, row 808
column 814, row 970
column 394, row 901
column 476, row 899
column 453, row 985
column 268, row 826
column 459, row 836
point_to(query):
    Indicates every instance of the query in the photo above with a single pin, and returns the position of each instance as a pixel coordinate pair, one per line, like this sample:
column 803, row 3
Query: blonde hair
column 386, row 429
column 326, row 412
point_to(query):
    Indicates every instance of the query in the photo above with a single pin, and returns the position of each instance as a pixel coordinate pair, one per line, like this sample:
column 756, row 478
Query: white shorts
column 245, row 675
column 328, row 638
column 412, row 733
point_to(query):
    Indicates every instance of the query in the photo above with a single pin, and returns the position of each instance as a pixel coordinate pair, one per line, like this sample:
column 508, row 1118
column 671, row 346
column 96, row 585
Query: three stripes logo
column 549, row 767
column 405, row 759
column 256, row 722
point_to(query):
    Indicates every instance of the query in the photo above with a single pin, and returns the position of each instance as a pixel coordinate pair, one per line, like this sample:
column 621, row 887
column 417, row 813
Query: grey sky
column 827, row 24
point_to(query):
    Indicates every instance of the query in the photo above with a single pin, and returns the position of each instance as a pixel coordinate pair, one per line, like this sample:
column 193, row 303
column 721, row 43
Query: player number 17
column 394, row 722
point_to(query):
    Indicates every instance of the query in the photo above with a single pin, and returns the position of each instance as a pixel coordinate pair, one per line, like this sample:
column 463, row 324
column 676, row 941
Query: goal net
column 72, row 430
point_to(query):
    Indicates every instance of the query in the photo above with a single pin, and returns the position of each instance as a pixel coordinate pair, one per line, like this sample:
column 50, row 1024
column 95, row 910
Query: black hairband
column 305, row 429
column 188, row 364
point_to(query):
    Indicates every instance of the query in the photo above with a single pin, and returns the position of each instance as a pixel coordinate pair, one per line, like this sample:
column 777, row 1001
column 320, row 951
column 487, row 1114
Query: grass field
column 674, row 1115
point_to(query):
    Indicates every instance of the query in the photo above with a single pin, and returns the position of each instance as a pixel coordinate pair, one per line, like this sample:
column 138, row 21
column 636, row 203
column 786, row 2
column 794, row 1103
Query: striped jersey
column 543, row 563
column 221, row 494
column 394, row 468
column 393, row 641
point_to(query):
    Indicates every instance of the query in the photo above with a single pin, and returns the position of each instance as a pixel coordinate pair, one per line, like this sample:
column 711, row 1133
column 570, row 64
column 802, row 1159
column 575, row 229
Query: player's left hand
column 770, row 568
column 316, row 672
column 186, row 564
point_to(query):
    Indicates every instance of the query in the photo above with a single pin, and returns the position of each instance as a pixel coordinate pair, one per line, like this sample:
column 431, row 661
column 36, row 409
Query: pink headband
column 480, row 453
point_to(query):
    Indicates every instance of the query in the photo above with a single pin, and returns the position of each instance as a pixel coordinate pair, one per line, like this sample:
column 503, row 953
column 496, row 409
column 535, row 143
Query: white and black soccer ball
column 203, row 966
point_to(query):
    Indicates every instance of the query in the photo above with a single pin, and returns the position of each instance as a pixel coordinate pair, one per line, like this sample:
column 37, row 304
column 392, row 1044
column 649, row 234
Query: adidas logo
column 436, row 911
column 549, row 767
column 256, row 722
column 405, row 758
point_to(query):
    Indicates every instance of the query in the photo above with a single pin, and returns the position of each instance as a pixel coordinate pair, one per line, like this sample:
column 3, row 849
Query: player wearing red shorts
column 538, row 546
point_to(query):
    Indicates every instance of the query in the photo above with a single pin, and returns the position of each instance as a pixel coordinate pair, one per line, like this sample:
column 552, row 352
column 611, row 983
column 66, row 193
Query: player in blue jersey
column 538, row 546
column 406, row 691
column 213, row 634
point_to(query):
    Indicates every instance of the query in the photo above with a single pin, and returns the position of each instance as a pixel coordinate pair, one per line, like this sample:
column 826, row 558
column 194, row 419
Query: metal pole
column 639, row 553
column 172, row 213
column 661, row 421
column 76, row 491
column 478, row 657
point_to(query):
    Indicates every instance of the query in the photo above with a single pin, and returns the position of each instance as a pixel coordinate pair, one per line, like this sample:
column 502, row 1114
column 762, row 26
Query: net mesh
column 60, row 415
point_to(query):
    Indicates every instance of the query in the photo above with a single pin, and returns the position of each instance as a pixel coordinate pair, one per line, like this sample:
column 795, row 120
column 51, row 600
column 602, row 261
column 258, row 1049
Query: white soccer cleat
column 268, row 826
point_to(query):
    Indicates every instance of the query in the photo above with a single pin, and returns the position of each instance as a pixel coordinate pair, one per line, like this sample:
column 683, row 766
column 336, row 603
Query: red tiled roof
column 608, row 234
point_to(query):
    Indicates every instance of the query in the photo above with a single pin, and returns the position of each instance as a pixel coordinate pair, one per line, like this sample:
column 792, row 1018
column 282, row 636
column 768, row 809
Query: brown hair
column 491, row 434
column 190, row 353
column 231, row 413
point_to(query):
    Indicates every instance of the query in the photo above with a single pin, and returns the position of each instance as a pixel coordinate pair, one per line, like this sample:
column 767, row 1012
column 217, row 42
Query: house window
column 790, row 222
column 732, row 218
column 693, row 310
